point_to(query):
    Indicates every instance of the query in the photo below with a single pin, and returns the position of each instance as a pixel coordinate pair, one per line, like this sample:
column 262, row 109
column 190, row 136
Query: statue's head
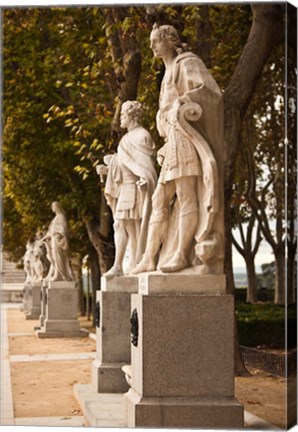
column 131, row 111
column 56, row 207
column 168, row 36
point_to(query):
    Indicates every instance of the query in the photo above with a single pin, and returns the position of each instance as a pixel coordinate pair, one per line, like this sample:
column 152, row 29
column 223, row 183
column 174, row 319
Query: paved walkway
column 110, row 410
column 7, row 409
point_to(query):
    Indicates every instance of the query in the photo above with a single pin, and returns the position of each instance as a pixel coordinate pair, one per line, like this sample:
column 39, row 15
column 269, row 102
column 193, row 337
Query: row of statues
column 47, row 257
column 35, row 261
column 176, row 221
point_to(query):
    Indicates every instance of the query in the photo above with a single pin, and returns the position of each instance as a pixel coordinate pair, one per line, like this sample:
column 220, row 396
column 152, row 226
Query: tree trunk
column 291, row 274
column 204, row 32
column 228, row 265
column 262, row 38
column 251, row 294
column 101, row 235
column 280, row 276
column 95, row 279
column 239, row 368
column 126, row 57
column 104, row 246
column 77, row 269
column 266, row 31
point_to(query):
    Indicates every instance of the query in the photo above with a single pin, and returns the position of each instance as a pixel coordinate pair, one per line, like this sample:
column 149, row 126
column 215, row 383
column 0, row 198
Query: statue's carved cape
column 134, row 152
column 200, row 120
column 60, row 247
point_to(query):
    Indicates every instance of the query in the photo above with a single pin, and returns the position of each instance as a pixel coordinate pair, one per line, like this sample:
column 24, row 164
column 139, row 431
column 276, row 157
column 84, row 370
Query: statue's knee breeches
column 186, row 189
column 119, row 225
column 187, row 207
column 160, row 202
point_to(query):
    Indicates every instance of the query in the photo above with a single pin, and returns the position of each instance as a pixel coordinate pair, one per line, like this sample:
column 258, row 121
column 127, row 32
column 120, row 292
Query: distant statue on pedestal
column 27, row 260
column 130, row 183
column 57, row 243
column 39, row 264
column 187, row 208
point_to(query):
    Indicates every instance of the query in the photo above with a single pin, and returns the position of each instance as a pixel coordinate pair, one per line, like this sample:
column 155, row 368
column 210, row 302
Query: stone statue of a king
column 187, row 206
column 130, row 183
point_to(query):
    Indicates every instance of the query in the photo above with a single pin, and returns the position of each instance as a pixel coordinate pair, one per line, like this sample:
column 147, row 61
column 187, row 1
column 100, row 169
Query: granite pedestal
column 26, row 298
column 182, row 354
column 34, row 304
column 60, row 300
column 113, row 334
column 112, row 351
column 44, row 293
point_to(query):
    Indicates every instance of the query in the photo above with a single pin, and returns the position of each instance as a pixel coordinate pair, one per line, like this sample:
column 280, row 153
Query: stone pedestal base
column 100, row 409
column 182, row 355
column 43, row 303
column 108, row 377
column 182, row 412
column 34, row 309
column 26, row 297
column 61, row 304
column 181, row 283
column 113, row 334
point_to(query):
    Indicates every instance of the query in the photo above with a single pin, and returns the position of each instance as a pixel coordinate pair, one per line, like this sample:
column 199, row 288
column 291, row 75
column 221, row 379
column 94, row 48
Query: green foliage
column 267, row 278
column 60, row 92
column 61, row 88
column 263, row 295
column 266, row 169
column 262, row 160
column 265, row 324
column 228, row 38
column 38, row 151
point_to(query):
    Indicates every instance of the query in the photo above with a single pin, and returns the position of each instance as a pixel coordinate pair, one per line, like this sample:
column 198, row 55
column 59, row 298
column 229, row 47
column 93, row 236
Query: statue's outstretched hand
column 160, row 159
column 161, row 154
column 101, row 171
column 141, row 183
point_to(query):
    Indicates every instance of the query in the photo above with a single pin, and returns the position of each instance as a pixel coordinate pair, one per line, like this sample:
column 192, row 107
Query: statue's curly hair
column 133, row 108
column 170, row 33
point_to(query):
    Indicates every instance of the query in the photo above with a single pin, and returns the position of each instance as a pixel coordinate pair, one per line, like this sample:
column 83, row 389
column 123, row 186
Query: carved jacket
column 191, row 108
column 132, row 162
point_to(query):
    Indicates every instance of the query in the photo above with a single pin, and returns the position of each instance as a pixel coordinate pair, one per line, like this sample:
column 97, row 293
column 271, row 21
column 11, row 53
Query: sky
column 263, row 256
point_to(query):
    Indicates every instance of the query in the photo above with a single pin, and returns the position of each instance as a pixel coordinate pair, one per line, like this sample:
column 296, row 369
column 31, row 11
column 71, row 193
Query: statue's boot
column 113, row 272
column 147, row 263
column 178, row 262
column 187, row 228
column 121, row 238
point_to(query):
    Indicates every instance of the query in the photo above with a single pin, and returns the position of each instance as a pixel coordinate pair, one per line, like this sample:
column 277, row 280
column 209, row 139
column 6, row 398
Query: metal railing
column 274, row 363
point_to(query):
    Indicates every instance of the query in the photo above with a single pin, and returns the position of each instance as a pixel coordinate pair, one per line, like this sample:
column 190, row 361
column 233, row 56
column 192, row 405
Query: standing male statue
column 40, row 263
column 187, row 213
column 130, row 183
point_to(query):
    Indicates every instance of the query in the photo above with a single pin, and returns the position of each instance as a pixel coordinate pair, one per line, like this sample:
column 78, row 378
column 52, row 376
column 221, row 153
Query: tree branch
column 237, row 245
column 258, row 241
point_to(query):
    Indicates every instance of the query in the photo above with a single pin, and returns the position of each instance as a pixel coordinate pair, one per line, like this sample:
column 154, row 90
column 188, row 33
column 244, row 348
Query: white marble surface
column 130, row 182
column 187, row 214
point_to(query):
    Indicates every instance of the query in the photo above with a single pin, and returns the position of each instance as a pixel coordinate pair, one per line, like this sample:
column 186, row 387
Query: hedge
column 264, row 295
column 264, row 324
